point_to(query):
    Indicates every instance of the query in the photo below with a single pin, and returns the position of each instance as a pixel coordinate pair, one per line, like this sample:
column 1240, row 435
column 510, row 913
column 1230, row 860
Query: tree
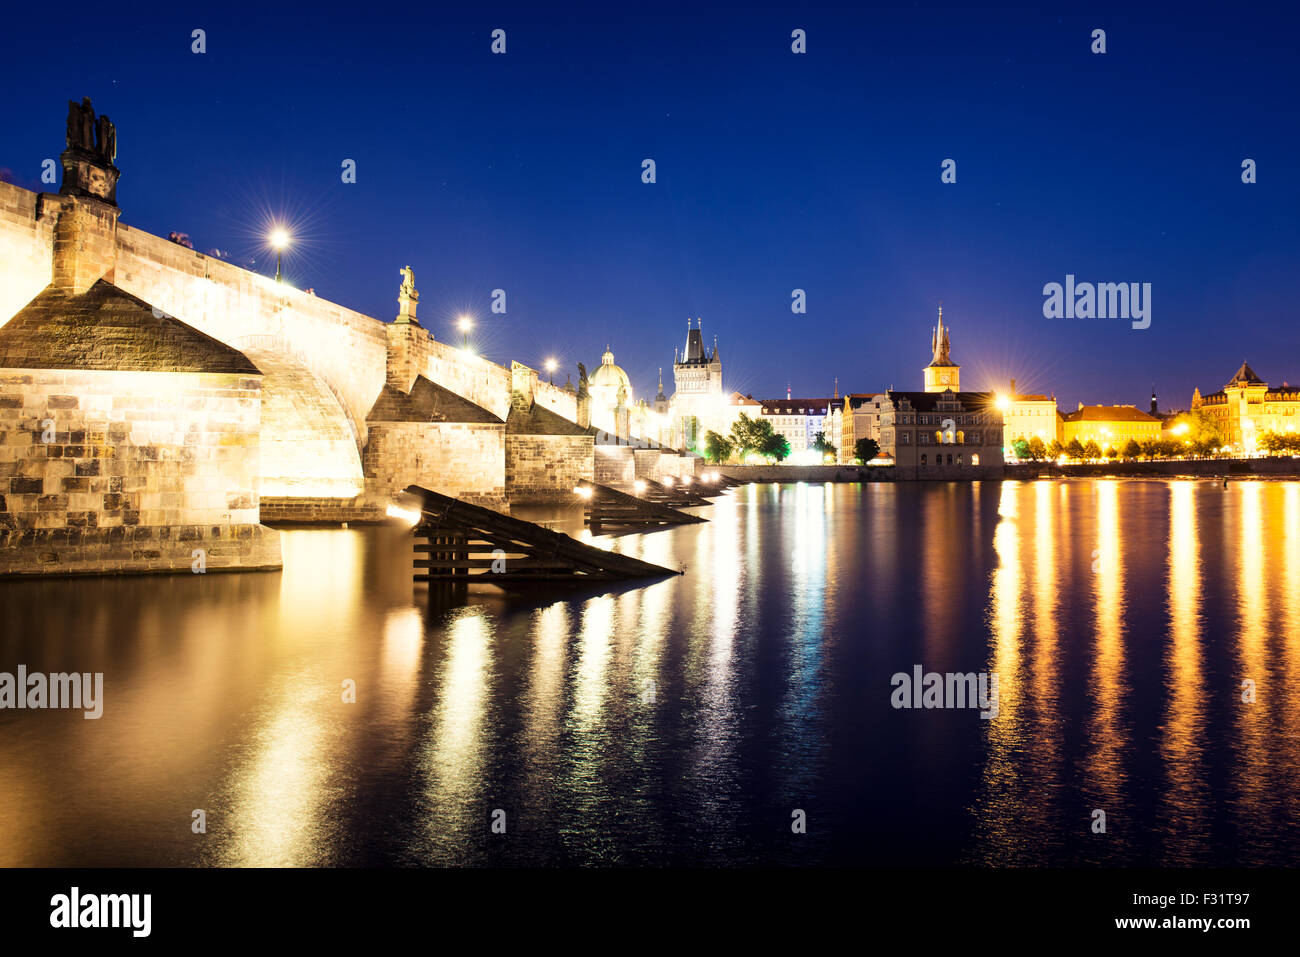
column 750, row 435
column 1280, row 442
column 1055, row 449
column 1131, row 449
column 1075, row 449
column 775, row 446
column 1037, row 449
column 1020, row 449
column 866, row 450
column 823, row 445
column 717, row 448
column 1092, row 450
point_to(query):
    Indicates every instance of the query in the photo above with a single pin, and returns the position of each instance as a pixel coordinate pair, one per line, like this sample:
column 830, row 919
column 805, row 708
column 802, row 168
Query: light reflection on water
column 684, row 721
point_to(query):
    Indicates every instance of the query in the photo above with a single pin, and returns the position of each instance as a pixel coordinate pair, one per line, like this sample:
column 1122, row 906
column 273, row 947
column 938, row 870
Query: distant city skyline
column 775, row 171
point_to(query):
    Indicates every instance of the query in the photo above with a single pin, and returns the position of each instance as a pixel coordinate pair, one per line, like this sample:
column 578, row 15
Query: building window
column 950, row 460
column 959, row 458
column 974, row 460
column 938, row 438
column 961, row 438
column 924, row 457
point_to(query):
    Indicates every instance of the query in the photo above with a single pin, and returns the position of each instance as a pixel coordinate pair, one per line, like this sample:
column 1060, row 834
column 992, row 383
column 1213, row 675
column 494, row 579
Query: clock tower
column 942, row 373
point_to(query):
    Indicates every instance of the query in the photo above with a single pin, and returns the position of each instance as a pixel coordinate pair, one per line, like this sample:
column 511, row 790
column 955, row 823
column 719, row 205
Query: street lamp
column 551, row 366
column 465, row 324
column 279, row 240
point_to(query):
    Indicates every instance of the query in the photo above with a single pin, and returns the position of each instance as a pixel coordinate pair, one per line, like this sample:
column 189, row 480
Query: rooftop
column 1109, row 413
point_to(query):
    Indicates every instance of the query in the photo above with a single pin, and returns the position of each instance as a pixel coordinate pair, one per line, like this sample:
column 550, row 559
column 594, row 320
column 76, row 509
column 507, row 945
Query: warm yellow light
column 1003, row 403
column 639, row 485
column 405, row 514
column 668, row 480
column 582, row 491
column 1180, row 428
column 551, row 365
column 280, row 238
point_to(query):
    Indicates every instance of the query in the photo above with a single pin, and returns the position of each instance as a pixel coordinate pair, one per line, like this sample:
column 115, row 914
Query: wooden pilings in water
column 607, row 509
column 463, row 543
column 676, row 495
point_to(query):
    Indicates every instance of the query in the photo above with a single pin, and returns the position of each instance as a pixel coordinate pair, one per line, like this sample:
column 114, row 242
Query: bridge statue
column 582, row 382
column 88, row 168
column 81, row 125
column 407, row 297
column 107, row 151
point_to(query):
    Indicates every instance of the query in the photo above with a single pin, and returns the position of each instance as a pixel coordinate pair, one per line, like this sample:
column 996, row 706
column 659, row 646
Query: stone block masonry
column 104, row 471
column 614, row 465
column 460, row 459
column 546, row 468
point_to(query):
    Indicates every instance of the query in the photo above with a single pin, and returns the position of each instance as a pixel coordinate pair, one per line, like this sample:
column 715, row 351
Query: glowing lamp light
column 1180, row 428
column 582, row 491
column 639, row 486
column 1003, row 403
column 279, row 240
column 686, row 480
column 668, row 480
column 407, row 515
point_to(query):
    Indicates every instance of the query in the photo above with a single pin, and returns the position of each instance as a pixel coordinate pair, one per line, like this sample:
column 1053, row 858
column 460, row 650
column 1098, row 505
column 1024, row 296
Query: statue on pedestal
column 407, row 297
column 107, row 137
column 81, row 125
column 88, row 168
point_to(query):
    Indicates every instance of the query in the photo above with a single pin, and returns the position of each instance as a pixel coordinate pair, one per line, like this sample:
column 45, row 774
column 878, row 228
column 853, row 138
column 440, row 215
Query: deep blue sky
column 775, row 171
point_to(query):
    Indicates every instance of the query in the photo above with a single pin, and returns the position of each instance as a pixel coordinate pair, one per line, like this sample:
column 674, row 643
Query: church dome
column 611, row 376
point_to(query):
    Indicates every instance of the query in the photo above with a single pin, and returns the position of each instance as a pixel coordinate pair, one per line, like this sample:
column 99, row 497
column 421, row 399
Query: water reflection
column 453, row 748
column 684, row 721
column 1184, row 799
column 1252, row 676
column 1105, row 770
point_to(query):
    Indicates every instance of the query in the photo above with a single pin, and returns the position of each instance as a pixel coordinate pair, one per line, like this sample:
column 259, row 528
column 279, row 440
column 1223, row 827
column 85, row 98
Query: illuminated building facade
column 941, row 432
column 799, row 421
column 860, row 419
column 611, row 397
column 1246, row 408
column 698, row 405
column 1027, row 416
column 1110, row 426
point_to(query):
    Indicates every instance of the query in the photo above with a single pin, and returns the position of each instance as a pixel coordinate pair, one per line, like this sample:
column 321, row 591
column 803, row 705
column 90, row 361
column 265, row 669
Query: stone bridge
column 339, row 411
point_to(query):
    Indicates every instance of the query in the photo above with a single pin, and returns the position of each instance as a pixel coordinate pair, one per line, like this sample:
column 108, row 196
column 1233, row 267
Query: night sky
column 775, row 171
